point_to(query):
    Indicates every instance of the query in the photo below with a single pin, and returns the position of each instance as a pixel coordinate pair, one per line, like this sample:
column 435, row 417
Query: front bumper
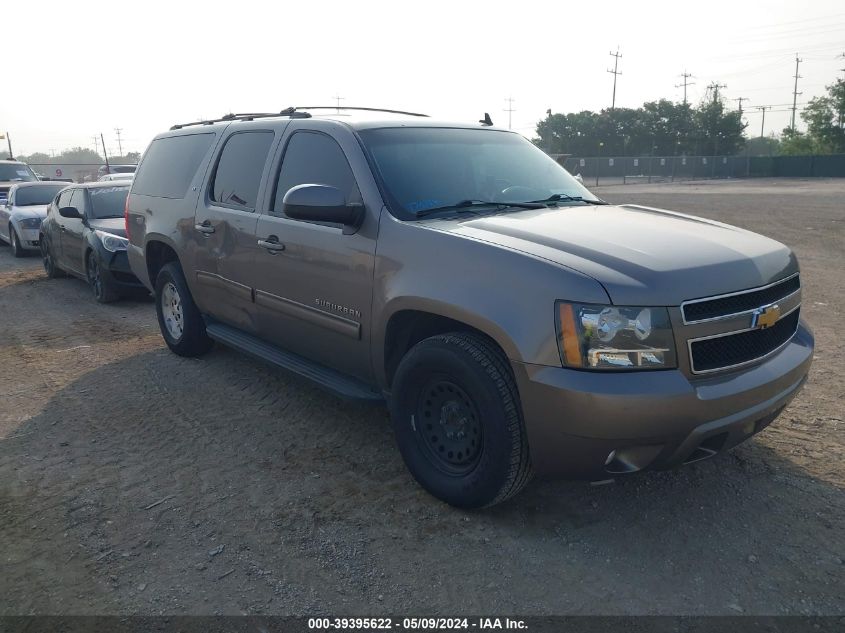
column 115, row 266
column 590, row 425
column 29, row 239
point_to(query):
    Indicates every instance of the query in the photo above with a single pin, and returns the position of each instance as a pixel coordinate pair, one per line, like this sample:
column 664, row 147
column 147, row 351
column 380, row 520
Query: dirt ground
column 136, row 481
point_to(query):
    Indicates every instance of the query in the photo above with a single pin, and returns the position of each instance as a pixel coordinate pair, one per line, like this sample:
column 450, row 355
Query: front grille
column 741, row 302
column 737, row 349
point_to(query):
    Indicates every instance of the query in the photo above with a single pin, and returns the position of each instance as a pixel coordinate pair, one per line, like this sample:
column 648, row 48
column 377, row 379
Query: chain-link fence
column 71, row 172
column 601, row 170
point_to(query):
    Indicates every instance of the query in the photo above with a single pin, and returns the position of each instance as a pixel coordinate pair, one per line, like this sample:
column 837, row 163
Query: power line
column 795, row 92
column 615, row 72
column 509, row 110
column 686, row 83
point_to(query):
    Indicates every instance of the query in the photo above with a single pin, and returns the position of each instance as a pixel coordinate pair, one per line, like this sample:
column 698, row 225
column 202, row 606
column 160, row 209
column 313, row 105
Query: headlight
column 615, row 337
column 112, row 242
column 30, row 223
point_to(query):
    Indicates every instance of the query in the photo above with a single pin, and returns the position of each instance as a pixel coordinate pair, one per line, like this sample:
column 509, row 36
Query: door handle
column 272, row 244
column 204, row 228
column 62, row 227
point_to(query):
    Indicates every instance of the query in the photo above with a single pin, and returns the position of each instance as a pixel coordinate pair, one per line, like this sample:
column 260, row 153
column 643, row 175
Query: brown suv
column 514, row 322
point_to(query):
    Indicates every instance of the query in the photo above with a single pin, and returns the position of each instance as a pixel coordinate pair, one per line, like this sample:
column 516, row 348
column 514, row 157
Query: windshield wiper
column 471, row 204
column 557, row 197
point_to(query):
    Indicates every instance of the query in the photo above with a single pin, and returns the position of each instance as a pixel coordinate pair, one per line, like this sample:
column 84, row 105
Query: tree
column 657, row 128
column 825, row 118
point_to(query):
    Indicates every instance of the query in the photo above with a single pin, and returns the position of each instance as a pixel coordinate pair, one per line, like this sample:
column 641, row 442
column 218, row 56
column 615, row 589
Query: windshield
column 107, row 202
column 19, row 172
column 425, row 168
column 37, row 194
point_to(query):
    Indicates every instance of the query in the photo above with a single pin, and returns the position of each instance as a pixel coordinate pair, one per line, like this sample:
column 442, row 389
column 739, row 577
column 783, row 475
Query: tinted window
column 424, row 168
column 38, row 194
column 107, row 202
column 170, row 164
column 77, row 200
column 314, row 159
column 16, row 172
column 239, row 170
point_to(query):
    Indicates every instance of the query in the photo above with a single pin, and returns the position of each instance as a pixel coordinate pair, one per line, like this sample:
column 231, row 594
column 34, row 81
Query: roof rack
column 293, row 112
column 364, row 109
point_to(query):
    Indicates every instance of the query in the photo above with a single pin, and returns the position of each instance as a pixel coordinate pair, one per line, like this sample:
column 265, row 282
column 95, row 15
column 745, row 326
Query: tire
column 15, row 242
column 50, row 266
column 458, row 420
column 181, row 323
column 102, row 288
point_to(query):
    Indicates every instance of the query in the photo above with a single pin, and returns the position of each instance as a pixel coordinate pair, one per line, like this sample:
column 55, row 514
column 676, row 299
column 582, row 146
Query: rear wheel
column 458, row 421
column 50, row 267
column 181, row 323
column 15, row 242
column 103, row 289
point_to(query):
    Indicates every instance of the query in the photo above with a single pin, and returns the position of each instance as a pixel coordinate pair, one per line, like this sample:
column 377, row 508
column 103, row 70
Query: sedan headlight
column 615, row 337
column 30, row 223
column 111, row 242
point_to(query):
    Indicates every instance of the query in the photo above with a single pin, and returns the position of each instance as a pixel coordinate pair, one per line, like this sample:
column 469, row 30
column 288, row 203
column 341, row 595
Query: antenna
column 486, row 120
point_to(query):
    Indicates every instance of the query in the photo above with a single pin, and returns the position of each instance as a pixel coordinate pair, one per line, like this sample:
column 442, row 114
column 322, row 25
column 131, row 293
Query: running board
column 335, row 381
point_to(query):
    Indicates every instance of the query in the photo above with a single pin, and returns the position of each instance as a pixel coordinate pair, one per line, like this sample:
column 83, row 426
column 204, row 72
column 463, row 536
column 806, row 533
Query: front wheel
column 15, row 242
column 181, row 323
column 102, row 287
column 458, row 420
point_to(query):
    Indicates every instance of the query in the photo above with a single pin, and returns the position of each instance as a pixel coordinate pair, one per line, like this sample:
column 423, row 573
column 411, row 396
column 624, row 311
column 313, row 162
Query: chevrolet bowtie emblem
column 765, row 317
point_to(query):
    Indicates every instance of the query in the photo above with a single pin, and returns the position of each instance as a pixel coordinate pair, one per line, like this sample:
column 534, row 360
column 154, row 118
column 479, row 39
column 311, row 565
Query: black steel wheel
column 458, row 420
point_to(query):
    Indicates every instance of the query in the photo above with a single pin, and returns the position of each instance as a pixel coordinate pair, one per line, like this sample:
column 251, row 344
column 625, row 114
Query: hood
column 31, row 211
column 642, row 256
column 115, row 226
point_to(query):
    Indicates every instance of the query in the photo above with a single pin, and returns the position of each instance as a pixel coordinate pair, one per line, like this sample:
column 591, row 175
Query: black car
column 84, row 235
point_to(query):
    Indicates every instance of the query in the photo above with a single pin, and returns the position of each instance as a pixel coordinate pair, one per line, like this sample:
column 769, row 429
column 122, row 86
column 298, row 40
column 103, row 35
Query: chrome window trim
column 742, row 364
column 735, row 294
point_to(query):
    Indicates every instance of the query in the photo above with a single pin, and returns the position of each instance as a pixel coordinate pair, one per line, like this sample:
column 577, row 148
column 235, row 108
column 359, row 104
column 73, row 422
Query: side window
column 239, row 169
column 64, row 198
column 170, row 164
column 78, row 200
column 315, row 159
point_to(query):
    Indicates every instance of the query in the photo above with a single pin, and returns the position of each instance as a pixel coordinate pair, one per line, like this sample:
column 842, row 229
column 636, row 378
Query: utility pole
column 715, row 86
column 509, row 110
column 9, row 141
column 615, row 72
column 117, row 131
column 763, row 124
column 338, row 99
column 96, row 143
column 795, row 92
column 685, row 83
column 741, row 99
column 105, row 153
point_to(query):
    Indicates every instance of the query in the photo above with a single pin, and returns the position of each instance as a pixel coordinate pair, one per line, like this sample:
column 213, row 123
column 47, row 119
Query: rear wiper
column 470, row 204
column 556, row 197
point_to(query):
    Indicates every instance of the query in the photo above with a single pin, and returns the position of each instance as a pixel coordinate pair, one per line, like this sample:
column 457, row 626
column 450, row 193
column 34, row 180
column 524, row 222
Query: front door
column 70, row 230
column 225, row 224
column 313, row 290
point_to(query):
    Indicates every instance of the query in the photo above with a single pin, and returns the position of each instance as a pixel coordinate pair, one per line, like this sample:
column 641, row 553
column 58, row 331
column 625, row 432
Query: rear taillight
column 126, row 217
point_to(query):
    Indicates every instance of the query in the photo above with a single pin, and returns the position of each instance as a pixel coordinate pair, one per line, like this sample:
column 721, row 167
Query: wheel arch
column 411, row 322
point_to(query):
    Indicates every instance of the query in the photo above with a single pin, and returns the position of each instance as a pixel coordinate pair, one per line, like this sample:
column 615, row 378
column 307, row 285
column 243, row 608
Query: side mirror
column 322, row 203
column 70, row 212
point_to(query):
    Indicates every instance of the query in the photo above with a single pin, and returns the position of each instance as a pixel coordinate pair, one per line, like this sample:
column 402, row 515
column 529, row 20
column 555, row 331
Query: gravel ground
column 135, row 481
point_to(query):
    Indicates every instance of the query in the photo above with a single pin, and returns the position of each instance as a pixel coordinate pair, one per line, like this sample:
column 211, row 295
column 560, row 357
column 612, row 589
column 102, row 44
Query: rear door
column 314, row 296
column 225, row 224
column 70, row 231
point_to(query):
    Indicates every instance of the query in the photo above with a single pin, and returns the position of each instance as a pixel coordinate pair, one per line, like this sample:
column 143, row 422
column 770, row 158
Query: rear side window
column 313, row 158
column 170, row 164
column 240, row 167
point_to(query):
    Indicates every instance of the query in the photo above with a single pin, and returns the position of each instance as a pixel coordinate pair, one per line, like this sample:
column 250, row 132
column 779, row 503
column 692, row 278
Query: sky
column 78, row 69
